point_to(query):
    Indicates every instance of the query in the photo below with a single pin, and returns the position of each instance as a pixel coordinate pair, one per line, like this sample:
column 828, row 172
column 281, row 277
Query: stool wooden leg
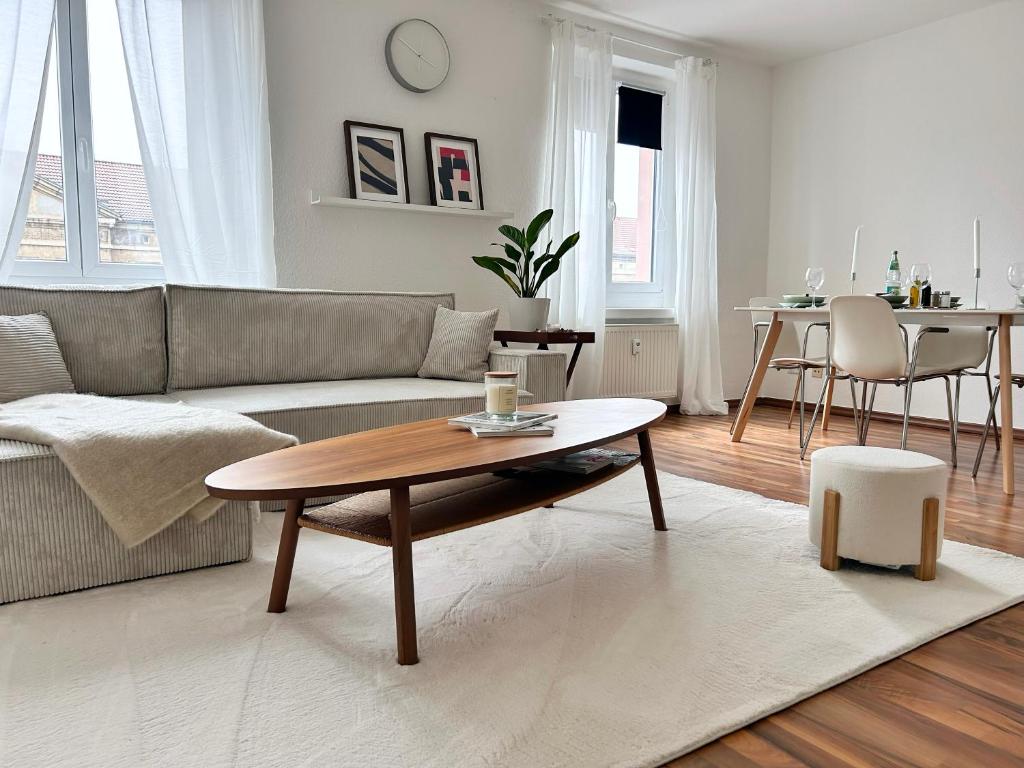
column 929, row 540
column 830, row 532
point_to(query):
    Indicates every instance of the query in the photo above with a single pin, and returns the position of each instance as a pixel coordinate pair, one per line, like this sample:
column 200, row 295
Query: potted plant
column 525, row 272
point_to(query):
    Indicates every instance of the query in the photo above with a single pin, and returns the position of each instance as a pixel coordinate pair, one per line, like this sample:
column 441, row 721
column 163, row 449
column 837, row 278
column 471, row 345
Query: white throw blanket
column 142, row 464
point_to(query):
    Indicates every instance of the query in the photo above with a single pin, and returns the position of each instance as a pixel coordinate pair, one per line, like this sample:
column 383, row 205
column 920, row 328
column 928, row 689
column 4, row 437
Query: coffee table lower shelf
column 452, row 505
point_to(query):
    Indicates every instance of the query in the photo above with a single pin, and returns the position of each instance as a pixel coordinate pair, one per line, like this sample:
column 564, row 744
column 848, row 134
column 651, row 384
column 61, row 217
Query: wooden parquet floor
column 957, row 701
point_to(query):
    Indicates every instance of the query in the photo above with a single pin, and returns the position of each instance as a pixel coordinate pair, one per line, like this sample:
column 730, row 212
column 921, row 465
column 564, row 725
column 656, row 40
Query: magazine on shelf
column 518, row 420
column 585, row 462
column 540, row 430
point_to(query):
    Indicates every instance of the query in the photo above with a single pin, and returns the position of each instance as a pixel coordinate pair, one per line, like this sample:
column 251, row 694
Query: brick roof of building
column 120, row 187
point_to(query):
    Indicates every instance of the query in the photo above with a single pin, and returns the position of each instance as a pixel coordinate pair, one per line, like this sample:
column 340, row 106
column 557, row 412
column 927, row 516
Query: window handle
column 84, row 155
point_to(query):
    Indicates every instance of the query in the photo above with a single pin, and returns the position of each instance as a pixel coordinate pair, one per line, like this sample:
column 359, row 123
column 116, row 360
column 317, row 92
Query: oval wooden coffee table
column 451, row 471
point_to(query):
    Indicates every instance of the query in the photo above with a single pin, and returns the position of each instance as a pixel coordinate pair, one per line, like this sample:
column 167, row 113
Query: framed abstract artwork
column 376, row 162
column 453, row 169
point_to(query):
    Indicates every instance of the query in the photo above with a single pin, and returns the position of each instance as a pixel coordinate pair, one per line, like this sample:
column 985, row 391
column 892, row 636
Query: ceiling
column 775, row 31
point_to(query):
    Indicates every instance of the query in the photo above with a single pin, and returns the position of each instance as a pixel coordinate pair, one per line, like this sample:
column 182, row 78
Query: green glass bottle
column 893, row 277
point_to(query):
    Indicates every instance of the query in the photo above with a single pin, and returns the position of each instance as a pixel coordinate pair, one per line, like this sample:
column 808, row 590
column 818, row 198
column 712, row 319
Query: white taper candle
column 856, row 247
column 977, row 244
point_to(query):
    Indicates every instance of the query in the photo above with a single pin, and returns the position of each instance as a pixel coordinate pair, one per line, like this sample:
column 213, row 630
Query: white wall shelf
column 347, row 202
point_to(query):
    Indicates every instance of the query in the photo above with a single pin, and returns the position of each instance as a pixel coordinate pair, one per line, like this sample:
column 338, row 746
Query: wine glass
column 1015, row 277
column 921, row 275
column 815, row 278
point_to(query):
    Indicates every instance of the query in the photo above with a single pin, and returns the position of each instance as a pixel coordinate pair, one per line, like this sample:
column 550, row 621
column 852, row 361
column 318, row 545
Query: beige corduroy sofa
column 314, row 364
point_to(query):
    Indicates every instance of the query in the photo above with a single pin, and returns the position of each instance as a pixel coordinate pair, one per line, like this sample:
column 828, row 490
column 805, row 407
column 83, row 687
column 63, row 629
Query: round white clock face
column 417, row 55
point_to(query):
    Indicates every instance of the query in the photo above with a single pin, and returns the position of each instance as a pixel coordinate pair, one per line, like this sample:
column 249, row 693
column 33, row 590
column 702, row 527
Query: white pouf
column 881, row 500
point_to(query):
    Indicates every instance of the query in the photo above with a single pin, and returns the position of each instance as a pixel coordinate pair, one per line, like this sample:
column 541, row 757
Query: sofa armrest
column 541, row 371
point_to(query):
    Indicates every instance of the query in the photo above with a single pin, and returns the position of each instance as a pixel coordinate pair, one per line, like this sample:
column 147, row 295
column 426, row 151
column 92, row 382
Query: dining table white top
column 960, row 316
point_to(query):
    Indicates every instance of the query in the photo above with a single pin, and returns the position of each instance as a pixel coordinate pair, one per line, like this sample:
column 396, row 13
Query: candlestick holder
column 977, row 282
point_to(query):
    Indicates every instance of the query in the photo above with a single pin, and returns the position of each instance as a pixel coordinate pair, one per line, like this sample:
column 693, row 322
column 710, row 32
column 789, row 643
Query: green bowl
column 803, row 298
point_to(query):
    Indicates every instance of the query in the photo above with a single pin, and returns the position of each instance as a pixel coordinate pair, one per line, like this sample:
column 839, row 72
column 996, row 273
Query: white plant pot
column 528, row 314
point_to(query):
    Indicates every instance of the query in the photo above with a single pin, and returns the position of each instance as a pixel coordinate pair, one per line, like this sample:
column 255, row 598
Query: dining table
column 1003, row 319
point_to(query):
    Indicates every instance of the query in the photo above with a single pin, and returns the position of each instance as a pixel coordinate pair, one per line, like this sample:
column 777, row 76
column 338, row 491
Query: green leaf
column 495, row 266
column 549, row 269
column 568, row 243
column 540, row 262
column 516, row 235
column 511, row 252
column 534, row 228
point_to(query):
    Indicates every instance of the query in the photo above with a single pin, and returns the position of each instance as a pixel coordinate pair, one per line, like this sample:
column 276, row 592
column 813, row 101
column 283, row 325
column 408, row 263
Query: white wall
column 912, row 136
column 326, row 64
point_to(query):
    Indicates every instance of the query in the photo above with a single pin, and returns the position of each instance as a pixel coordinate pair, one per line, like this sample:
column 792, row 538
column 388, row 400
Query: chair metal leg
column 806, row 441
column 792, row 404
column 956, row 414
column 853, row 400
column 803, row 399
column 992, row 418
column 984, row 435
column 866, row 410
column 906, row 413
column 952, row 422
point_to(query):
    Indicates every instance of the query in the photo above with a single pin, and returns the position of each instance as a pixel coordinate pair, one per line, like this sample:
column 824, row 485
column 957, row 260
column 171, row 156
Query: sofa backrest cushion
column 112, row 338
column 219, row 337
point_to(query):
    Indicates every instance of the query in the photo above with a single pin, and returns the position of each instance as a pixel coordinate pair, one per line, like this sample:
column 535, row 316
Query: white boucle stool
column 878, row 505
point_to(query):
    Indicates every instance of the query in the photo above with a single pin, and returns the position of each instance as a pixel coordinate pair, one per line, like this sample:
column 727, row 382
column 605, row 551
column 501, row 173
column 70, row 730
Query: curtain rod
column 550, row 18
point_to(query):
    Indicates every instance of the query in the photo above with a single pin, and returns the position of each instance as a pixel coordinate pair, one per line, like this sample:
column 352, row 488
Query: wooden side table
column 543, row 338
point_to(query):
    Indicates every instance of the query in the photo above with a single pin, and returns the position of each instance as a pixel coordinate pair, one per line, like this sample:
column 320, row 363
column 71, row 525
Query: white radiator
column 640, row 361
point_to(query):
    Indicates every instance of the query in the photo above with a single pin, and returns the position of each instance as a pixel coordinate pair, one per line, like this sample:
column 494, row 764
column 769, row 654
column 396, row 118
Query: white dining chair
column 789, row 355
column 868, row 343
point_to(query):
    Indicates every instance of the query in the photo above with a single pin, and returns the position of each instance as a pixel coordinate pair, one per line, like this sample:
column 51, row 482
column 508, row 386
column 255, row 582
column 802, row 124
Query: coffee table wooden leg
column 401, row 557
column 651, row 474
column 285, row 556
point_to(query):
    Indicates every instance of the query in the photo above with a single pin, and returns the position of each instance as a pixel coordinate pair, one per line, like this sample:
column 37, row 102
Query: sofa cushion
column 220, row 337
column 30, row 360
column 459, row 345
column 322, row 409
column 112, row 339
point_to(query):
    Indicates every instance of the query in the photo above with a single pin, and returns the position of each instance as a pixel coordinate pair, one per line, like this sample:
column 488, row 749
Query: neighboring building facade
column 126, row 231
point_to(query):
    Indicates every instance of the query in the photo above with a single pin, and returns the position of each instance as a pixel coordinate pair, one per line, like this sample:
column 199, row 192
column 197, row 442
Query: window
column 639, row 260
column 89, row 215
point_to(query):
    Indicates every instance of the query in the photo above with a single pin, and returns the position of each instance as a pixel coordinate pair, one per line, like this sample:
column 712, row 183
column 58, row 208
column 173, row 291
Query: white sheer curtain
column 696, row 225
column 576, row 170
column 198, row 81
column 24, row 44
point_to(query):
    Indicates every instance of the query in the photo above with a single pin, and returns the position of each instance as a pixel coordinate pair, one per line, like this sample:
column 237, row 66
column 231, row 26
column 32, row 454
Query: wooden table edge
column 400, row 481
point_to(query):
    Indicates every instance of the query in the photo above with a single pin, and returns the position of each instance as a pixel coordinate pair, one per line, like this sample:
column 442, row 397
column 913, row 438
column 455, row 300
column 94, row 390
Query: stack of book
column 520, row 424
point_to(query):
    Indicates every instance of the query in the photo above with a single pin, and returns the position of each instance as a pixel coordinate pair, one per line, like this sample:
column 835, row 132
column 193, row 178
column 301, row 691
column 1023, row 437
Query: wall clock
column 417, row 55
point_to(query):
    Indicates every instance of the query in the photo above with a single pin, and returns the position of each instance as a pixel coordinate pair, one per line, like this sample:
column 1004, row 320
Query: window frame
column 658, row 293
column 70, row 41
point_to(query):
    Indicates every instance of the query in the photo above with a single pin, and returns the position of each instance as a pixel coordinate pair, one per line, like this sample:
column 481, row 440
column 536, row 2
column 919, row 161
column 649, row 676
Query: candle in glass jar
column 501, row 393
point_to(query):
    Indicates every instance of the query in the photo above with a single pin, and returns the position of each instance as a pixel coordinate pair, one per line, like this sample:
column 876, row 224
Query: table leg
column 401, row 559
column 827, row 413
column 504, row 343
column 757, row 377
column 572, row 362
column 285, row 556
column 1006, row 402
column 651, row 475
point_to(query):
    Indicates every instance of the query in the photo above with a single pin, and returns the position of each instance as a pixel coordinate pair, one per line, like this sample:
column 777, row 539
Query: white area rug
column 576, row 636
